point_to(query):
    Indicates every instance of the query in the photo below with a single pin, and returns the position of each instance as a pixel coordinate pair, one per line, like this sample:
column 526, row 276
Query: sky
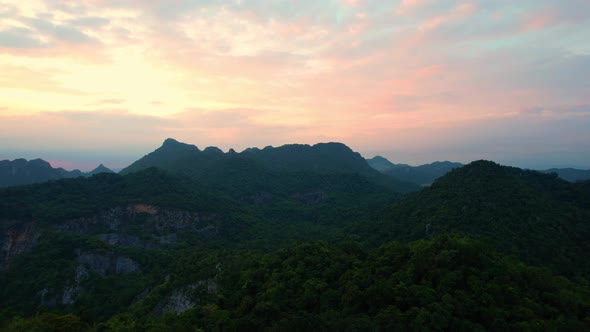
column 105, row 81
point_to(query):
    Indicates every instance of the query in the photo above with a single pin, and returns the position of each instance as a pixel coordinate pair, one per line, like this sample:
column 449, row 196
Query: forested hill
column 539, row 217
column 252, row 246
column 214, row 166
column 444, row 284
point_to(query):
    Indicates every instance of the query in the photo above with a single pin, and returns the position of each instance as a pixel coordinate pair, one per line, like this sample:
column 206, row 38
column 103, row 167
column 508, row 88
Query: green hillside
column 539, row 217
column 213, row 165
column 228, row 241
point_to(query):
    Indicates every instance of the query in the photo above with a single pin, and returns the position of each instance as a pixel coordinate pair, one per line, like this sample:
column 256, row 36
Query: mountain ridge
column 422, row 175
column 21, row 171
column 320, row 158
column 427, row 173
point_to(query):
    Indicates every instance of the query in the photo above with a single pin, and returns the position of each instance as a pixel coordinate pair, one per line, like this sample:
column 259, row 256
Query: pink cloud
column 429, row 70
column 538, row 21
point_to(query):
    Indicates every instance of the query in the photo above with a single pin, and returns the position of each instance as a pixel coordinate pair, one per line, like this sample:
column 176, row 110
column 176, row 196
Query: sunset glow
column 107, row 81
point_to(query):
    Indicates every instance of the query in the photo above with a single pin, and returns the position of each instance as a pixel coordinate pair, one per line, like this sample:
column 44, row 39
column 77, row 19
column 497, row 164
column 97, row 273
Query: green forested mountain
column 293, row 238
column 539, row 217
column 427, row 173
column 257, row 165
column 444, row 284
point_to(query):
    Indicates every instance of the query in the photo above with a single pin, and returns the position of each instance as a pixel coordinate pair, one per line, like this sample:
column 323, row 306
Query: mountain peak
column 380, row 159
column 172, row 144
column 100, row 169
column 166, row 156
column 213, row 150
column 170, row 141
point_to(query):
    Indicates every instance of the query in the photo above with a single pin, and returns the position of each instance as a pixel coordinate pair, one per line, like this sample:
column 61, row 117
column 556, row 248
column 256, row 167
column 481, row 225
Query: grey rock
column 185, row 298
column 121, row 240
column 116, row 226
column 169, row 239
column 125, row 265
column 97, row 263
column 72, row 290
column 15, row 238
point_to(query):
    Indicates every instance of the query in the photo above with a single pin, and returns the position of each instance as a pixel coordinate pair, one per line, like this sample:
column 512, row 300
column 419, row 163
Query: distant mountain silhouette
column 100, row 169
column 427, row 173
column 20, row 171
column 421, row 175
column 322, row 158
column 570, row 174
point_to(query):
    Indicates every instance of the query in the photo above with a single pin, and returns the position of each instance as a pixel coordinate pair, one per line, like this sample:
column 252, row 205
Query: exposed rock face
column 107, row 220
column 125, row 265
column 115, row 226
column 98, row 263
column 121, row 240
column 310, row 197
column 185, row 298
column 72, row 290
column 179, row 301
column 45, row 299
column 14, row 240
column 108, row 264
column 165, row 240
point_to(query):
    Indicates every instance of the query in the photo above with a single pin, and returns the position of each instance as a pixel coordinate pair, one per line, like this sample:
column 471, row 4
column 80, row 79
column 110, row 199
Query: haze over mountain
column 99, row 169
column 20, row 172
column 570, row 174
column 421, row 175
column 426, row 174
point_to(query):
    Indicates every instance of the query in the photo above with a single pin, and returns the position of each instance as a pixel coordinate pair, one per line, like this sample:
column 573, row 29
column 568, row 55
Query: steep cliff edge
column 15, row 239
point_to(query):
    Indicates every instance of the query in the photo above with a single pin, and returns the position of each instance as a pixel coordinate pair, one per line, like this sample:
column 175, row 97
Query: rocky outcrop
column 185, row 298
column 125, row 265
column 118, row 226
column 158, row 227
column 72, row 289
column 108, row 264
column 15, row 239
column 109, row 220
column 121, row 240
